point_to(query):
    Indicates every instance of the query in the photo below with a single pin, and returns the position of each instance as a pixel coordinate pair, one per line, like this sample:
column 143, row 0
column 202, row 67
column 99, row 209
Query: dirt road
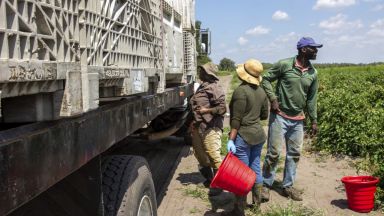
column 319, row 177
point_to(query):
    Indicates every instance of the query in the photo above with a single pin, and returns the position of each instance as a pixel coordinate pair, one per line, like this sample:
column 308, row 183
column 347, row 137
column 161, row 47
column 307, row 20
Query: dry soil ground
column 319, row 177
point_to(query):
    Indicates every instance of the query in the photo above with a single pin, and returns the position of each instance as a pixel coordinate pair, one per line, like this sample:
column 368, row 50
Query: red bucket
column 360, row 192
column 234, row 176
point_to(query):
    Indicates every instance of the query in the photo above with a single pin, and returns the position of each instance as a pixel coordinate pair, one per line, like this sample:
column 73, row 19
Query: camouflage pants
column 206, row 147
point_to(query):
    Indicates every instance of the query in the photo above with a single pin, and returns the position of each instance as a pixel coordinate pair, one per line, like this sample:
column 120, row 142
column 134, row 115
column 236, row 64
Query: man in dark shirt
column 208, row 106
column 296, row 89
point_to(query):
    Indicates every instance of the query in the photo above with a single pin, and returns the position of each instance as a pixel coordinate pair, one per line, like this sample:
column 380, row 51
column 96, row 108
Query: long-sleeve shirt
column 295, row 89
column 209, row 95
column 249, row 105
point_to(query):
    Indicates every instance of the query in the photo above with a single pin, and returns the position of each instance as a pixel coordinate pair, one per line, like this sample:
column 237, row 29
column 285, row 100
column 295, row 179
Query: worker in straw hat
column 248, row 106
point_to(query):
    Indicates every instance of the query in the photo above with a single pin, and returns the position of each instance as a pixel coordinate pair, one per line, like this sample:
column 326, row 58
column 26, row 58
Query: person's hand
column 204, row 110
column 231, row 146
column 314, row 129
column 275, row 106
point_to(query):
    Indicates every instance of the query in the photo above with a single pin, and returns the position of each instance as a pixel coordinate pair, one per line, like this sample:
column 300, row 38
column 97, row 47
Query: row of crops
column 351, row 115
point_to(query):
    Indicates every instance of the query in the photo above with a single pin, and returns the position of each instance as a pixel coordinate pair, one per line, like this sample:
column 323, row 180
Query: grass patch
column 196, row 191
column 224, row 140
column 194, row 210
column 225, row 73
column 288, row 210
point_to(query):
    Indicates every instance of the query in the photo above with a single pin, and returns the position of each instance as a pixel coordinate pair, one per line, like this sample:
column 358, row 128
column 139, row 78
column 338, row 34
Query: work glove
column 231, row 146
column 314, row 129
column 275, row 106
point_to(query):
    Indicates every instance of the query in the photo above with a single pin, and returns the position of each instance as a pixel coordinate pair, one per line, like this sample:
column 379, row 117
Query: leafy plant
column 351, row 113
column 227, row 64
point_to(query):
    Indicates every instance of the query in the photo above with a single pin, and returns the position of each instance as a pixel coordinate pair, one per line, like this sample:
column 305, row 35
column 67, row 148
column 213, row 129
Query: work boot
column 256, row 194
column 293, row 193
column 265, row 193
column 239, row 207
column 214, row 191
column 207, row 172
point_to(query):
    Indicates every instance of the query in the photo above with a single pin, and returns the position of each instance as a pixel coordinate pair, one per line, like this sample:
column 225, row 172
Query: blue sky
column 352, row 31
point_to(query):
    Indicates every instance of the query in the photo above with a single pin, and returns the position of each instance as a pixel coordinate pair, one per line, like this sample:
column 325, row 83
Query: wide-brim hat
column 210, row 69
column 250, row 71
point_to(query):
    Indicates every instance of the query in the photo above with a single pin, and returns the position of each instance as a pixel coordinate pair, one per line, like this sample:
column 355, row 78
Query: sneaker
column 293, row 193
column 265, row 194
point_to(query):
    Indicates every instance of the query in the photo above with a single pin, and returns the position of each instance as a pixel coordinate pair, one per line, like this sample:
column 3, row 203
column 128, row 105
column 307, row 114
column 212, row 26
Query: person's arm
column 264, row 110
column 217, row 101
column 312, row 104
column 232, row 134
column 237, row 107
column 268, row 78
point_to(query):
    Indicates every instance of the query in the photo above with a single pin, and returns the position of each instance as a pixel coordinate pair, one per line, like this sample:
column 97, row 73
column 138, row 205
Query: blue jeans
column 250, row 155
column 291, row 133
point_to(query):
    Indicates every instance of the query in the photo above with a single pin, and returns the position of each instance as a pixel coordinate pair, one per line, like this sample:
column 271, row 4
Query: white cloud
column 377, row 28
column 258, row 30
column 242, row 41
column 338, row 24
column 288, row 38
column 333, row 4
column 280, row 15
column 378, row 7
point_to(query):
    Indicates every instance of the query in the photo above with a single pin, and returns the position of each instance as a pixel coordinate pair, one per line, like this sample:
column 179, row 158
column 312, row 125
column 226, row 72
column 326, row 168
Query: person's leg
column 274, row 145
column 238, row 208
column 294, row 143
column 243, row 150
column 254, row 163
column 202, row 157
column 198, row 149
column 212, row 146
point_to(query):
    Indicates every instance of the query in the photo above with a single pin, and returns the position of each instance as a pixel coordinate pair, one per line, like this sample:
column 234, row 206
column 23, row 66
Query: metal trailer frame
column 35, row 157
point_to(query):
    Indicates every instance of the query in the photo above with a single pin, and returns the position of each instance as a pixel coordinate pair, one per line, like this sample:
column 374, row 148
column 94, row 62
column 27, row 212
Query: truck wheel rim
column 145, row 207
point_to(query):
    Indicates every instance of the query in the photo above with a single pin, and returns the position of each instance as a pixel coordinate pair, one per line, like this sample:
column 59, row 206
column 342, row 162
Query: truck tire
column 128, row 187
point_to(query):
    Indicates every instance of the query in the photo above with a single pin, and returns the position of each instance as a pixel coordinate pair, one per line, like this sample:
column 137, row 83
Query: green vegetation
column 194, row 210
column 224, row 73
column 289, row 210
column 227, row 64
column 351, row 115
column 196, row 192
column 224, row 140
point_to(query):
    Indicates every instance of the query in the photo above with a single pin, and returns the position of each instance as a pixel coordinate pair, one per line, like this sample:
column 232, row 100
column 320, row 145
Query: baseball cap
column 308, row 41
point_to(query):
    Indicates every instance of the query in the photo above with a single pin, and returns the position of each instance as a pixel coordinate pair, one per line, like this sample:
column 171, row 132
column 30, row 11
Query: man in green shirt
column 296, row 89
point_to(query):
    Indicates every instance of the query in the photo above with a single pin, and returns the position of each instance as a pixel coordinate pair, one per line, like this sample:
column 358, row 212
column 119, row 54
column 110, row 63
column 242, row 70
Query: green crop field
column 351, row 115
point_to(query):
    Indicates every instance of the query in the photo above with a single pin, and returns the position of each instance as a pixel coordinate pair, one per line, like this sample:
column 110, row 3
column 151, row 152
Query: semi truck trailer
column 76, row 78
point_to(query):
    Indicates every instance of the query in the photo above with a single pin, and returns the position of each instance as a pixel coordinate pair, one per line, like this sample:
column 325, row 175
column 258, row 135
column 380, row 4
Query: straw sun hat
column 250, row 71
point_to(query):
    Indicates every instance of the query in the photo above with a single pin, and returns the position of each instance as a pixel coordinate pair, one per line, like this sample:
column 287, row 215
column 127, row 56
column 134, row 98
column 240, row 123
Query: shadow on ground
column 190, row 178
column 341, row 203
